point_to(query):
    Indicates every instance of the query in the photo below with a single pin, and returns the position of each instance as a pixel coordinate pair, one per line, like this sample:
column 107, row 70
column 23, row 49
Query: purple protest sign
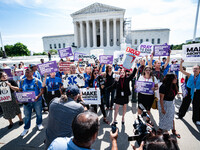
column 25, row 97
column 175, row 67
column 8, row 72
column 184, row 90
column 145, row 48
column 106, row 59
column 48, row 67
column 76, row 55
column 161, row 50
column 65, row 52
column 144, row 87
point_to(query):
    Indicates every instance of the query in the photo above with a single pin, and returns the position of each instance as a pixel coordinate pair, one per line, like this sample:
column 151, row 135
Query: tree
column 20, row 49
column 43, row 53
column 53, row 51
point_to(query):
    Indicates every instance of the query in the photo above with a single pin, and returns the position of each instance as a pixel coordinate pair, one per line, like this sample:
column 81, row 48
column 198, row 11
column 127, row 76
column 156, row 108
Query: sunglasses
column 147, row 69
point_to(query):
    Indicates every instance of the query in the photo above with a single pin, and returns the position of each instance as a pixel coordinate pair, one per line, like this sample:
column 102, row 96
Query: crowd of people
column 68, row 114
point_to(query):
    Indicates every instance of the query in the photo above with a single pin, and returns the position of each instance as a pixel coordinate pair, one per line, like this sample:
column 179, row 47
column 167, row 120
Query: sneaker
column 198, row 123
column 40, row 127
column 24, row 132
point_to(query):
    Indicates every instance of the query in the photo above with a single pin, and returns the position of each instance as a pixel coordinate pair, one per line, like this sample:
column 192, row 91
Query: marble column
column 108, row 31
column 114, row 32
column 101, row 33
column 76, row 34
column 81, row 34
column 88, row 33
column 121, row 29
column 94, row 33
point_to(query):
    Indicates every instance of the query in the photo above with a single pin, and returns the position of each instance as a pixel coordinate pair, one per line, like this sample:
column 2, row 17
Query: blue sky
column 27, row 21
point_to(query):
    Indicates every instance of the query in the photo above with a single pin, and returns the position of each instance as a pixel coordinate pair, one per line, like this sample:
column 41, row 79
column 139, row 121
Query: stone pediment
column 97, row 8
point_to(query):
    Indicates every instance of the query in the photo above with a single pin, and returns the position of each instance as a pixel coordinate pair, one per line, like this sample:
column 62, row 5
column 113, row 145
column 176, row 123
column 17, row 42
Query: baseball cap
column 32, row 65
column 174, row 60
column 72, row 90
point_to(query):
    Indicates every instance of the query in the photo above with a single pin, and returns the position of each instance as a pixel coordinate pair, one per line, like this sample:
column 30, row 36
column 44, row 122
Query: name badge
column 122, row 93
column 53, row 92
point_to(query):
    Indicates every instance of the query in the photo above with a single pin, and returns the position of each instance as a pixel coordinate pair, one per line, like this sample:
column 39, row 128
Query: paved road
column 11, row 140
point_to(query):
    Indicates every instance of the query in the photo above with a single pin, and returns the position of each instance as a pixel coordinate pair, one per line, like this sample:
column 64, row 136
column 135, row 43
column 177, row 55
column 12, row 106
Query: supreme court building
column 101, row 26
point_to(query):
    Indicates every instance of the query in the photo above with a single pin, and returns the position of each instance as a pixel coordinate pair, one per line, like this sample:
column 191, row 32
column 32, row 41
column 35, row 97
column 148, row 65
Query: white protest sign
column 129, row 58
column 191, row 52
column 118, row 57
column 97, row 52
column 145, row 49
column 73, row 79
column 5, row 94
column 91, row 95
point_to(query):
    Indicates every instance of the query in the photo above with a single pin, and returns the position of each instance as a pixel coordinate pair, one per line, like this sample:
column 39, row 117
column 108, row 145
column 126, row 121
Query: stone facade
column 101, row 26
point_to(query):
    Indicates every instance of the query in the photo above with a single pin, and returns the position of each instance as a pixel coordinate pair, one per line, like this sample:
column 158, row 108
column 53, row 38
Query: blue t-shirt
column 166, row 69
column 59, row 74
column 65, row 143
column 87, row 78
column 30, row 85
column 53, row 84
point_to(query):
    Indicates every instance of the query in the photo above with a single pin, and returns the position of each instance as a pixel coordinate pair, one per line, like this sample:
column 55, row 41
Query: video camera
column 141, row 129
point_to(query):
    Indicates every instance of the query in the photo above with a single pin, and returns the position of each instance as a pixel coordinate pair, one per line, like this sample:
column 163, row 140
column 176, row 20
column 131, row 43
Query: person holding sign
column 143, row 98
column 194, row 84
column 54, row 85
column 31, row 83
column 122, row 92
column 168, row 91
column 10, row 108
column 97, row 81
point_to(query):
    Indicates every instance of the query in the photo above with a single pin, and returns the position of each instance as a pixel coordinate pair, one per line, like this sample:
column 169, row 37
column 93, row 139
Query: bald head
column 85, row 126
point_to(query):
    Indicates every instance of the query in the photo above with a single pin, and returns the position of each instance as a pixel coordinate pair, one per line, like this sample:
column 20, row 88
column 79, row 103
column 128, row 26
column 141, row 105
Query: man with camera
column 62, row 111
column 85, row 128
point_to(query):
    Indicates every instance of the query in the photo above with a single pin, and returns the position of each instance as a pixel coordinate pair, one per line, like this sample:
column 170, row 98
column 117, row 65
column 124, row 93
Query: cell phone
column 133, row 138
column 113, row 128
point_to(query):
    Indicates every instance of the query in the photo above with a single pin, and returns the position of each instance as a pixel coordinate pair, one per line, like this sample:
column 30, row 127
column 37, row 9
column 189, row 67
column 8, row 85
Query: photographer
column 85, row 128
column 158, row 142
column 62, row 111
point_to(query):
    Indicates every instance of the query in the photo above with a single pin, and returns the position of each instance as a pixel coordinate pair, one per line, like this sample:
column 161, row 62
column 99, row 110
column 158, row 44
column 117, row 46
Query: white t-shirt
column 141, row 78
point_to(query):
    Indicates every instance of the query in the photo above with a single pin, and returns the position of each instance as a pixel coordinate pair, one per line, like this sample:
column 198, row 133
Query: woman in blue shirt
column 194, row 84
column 54, row 85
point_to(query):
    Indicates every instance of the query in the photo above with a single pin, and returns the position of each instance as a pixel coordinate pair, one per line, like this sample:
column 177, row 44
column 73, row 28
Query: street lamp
column 196, row 20
column 4, row 52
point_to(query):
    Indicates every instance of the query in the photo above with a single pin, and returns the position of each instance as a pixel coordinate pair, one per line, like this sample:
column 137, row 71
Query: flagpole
column 196, row 20
column 4, row 52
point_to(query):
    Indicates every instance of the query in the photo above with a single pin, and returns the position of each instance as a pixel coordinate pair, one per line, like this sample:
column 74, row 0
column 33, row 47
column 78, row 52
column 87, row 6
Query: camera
column 141, row 129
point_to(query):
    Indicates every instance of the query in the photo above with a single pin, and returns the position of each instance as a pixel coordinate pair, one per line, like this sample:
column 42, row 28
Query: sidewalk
column 10, row 139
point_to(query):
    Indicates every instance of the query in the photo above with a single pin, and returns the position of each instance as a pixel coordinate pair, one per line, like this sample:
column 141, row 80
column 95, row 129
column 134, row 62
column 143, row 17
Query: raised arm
column 151, row 60
column 167, row 61
column 132, row 74
column 44, row 81
column 181, row 69
column 79, row 69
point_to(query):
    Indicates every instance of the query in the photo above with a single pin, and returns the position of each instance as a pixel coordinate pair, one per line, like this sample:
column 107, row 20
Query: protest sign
column 5, row 94
column 8, row 72
column 184, row 90
column 73, row 79
column 48, row 67
column 19, row 73
column 87, row 59
column 76, row 55
column 118, row 57
column 65, row 52
column 161, row 50
column 130, row 50
column 175, row 67
column 145, row 49
column 106, row 59
column 25, row 97
column 144, row 87
column 65, row 66
column 97, row 52
column 91, row 95
column 191, row 52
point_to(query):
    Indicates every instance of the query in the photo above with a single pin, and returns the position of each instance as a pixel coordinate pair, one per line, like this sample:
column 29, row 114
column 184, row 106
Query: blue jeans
column 28, row 111
column 107, row 93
